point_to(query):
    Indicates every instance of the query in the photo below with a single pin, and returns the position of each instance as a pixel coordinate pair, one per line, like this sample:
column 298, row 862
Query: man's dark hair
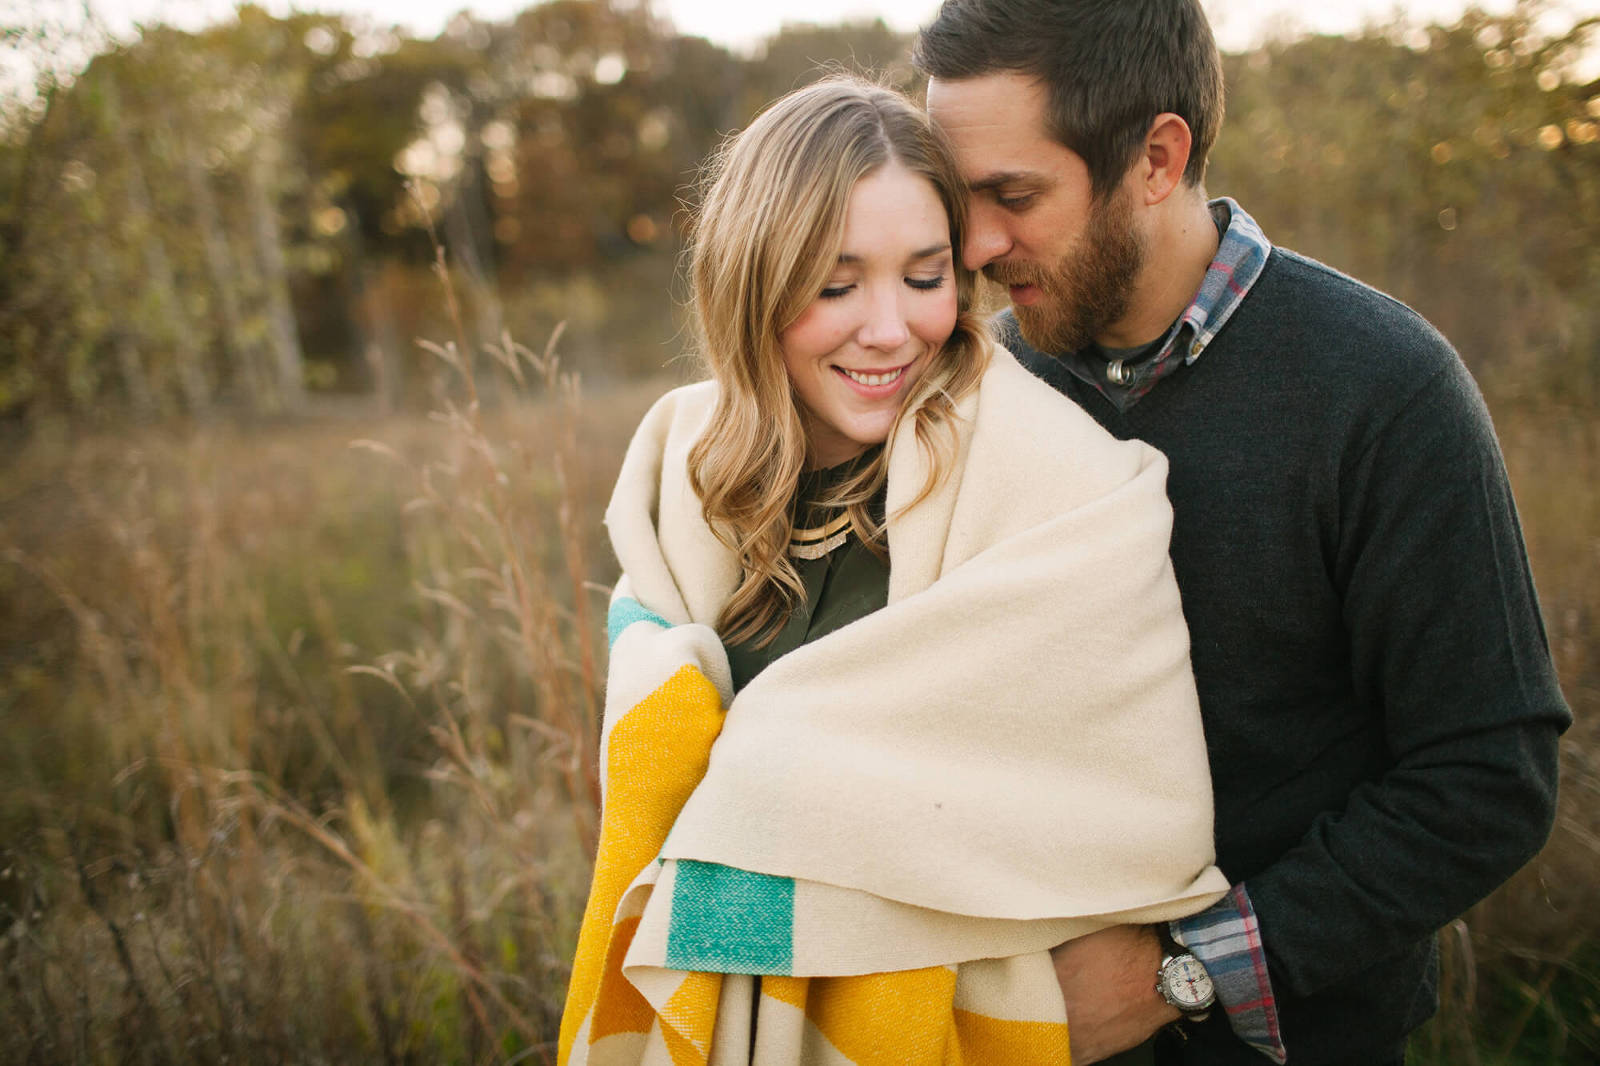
column 1110, row 66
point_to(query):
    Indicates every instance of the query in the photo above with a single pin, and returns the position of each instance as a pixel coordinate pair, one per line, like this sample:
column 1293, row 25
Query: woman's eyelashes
column 834, row 292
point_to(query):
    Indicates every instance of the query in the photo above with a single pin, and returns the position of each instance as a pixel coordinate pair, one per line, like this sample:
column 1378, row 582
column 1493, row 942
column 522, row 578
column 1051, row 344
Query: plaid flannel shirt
column 1226, row 938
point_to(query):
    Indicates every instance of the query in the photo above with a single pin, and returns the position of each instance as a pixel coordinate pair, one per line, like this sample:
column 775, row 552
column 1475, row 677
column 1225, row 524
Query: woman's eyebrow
column 850, row 258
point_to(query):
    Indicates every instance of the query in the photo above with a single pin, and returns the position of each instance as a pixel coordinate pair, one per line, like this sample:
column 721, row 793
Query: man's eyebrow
column 994, row 181
column 921, row 253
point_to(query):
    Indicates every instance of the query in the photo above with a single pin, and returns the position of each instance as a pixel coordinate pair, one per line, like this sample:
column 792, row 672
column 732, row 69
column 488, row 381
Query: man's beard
column 1087, row 289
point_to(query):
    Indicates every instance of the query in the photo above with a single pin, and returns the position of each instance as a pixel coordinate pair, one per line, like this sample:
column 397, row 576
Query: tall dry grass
column 299, row 758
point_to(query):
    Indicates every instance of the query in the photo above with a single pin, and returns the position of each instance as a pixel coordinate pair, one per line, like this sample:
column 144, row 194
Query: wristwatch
column 1183, row 982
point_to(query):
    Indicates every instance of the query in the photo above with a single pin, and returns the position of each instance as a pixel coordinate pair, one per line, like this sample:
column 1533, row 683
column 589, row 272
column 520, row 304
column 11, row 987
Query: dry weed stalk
column 473, row 495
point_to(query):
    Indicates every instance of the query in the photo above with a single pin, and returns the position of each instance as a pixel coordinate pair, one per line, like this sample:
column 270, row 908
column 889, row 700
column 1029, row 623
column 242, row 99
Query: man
column 1381, row 710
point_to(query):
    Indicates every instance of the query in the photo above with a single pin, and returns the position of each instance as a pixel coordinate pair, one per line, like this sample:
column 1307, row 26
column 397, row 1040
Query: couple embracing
column 1141, row 676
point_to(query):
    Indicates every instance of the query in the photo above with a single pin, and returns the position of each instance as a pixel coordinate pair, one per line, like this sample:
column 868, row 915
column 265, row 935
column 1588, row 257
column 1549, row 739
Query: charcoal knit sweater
column 1380, row 705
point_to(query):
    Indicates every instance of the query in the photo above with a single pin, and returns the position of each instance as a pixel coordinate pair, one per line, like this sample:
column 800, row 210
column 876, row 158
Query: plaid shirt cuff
column 1226, row 938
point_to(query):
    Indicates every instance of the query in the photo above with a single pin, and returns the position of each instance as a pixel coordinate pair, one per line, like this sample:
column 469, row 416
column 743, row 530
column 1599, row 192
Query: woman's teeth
column 873, row 379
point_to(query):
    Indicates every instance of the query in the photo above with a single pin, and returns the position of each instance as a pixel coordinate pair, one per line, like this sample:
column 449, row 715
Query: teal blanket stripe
column 726, row 920
column 624, row 613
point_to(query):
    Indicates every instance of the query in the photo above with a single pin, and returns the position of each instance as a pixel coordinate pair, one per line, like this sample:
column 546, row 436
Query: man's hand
column 1108, row 980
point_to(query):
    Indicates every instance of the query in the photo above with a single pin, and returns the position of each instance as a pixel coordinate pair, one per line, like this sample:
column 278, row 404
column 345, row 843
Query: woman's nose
column 885, row 324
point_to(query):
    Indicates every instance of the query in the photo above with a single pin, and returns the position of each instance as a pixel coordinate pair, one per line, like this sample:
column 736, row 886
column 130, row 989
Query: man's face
column 1068, row 260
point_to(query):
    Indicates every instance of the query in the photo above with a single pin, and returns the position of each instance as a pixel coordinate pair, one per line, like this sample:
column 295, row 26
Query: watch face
column 1187, row 983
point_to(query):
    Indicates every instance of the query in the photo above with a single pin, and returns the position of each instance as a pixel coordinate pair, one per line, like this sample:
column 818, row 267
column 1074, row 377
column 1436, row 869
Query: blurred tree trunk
column 373, row 320
column 160, row 279
column 282, row 333
column 130, row 361
column 466, row 232
column 134, row 380
column 221, row 264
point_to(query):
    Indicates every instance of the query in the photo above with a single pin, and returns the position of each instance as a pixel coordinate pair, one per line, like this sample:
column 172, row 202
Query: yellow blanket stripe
column 690, row 1017
column 656, row 755
column 909, row 1019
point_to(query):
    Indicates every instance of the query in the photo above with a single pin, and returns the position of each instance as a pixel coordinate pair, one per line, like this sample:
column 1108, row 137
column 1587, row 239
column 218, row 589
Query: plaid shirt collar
column 1241, row 256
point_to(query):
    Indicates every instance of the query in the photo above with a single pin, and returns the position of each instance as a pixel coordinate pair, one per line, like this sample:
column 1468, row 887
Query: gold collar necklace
column 818, row 541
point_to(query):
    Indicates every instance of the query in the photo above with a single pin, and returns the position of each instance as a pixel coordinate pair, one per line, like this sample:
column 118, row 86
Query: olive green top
column 842, row 585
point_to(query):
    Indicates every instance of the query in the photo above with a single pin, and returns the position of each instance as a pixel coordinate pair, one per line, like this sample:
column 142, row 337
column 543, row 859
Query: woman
column 896, row 653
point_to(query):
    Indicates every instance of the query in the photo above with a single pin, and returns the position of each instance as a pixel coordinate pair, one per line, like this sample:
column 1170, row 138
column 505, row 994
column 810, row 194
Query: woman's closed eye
column 834, row 292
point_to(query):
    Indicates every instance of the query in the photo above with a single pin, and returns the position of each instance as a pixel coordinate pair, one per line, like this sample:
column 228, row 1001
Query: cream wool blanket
column 892, row 824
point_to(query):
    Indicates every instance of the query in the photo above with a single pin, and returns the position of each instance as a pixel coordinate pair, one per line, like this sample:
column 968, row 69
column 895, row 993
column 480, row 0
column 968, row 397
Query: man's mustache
column 1008, row 273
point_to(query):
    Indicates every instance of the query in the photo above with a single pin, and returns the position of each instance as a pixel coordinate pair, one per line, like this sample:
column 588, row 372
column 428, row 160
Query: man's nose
column 986, row 238
column 885, row 324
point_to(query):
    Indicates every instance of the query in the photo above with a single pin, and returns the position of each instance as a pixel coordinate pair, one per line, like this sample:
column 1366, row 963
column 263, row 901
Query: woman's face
column 883, row 313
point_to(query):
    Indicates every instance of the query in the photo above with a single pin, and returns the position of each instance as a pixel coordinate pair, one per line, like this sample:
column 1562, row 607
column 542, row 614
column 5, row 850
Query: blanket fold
column 895, row 821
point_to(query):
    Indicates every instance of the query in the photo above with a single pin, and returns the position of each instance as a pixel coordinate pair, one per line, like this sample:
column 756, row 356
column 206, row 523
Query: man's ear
column 1166, row 154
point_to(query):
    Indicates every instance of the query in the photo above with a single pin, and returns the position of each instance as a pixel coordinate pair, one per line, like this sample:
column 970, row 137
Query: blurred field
column 299, row 735
column 299, row 745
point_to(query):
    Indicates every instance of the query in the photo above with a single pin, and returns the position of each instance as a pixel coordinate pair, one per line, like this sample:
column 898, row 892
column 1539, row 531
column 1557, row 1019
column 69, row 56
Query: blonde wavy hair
column 765, row 241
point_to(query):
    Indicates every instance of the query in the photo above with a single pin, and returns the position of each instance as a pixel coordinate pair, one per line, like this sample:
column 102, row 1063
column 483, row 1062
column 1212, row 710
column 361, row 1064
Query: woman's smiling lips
column 874, row 383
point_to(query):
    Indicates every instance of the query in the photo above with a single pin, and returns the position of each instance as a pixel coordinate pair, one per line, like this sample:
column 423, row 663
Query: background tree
column 1456, row 167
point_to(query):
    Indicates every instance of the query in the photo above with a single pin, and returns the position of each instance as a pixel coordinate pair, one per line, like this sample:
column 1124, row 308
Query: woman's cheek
column 941, row 318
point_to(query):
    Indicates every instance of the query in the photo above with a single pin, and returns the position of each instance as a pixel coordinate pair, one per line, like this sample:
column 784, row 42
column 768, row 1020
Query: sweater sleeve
column 1447, row 645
